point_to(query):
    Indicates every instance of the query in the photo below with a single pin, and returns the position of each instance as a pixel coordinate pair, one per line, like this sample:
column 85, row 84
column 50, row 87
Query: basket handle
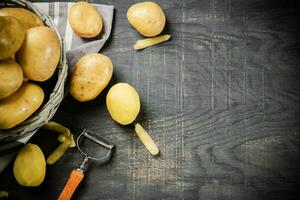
column 70, row 187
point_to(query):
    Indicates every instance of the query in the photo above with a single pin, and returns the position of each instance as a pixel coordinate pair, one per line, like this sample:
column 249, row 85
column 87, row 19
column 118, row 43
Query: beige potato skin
column 90, row 76
column 147, row 18
column 39, row 54
column 20, row 105
column 12, row 35
column 11, row 77
column 26, row 17
column 123, row 103
column 85, row 20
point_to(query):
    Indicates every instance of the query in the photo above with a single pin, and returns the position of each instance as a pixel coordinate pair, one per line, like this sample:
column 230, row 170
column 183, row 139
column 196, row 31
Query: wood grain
column 221, row 100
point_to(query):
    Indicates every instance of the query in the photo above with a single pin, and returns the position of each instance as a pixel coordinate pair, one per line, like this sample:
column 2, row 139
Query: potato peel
column 58, row 152
column 61, row 138
column 146, row 139
column 56, row 127
column 141, row 44
column 65, row 137
column 3, row 194
column 64, row 132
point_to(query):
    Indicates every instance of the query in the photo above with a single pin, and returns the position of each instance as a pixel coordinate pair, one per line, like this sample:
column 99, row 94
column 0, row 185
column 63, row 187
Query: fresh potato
column 90, row 76
column 85, row 20
column 12, row 35
column 11, row 77
column 147, row 18
column 39, row 53
column 30, row 166
column 123, row 103
column 26, row 17
column 20, row 105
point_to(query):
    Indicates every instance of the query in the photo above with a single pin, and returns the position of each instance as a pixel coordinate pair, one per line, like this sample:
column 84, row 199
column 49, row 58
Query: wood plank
column 221, row 100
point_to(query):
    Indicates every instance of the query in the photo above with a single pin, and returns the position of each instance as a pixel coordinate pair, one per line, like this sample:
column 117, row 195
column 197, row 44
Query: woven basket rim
column 46, row 112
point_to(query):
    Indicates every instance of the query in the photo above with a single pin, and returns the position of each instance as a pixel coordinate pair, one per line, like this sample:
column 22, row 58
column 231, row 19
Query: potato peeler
column 78, row 174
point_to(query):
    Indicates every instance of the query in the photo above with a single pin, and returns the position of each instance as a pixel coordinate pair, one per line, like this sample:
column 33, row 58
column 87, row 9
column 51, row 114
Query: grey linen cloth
column 76, row 47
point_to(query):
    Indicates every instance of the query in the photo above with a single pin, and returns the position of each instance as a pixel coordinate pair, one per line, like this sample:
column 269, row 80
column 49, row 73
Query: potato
column 39, row 53
column 20, row 105
column 26, row 17
column 11, row 77
column 85, row 20
column 90, row 76
column 12, row 35
column 147, row 18
column 30, row 166
column 123, row 103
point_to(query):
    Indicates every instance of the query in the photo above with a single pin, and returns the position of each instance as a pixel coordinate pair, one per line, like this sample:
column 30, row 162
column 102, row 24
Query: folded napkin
column 76, row 47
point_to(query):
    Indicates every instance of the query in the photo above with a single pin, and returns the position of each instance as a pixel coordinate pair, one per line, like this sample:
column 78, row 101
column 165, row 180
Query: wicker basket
column 45, row 113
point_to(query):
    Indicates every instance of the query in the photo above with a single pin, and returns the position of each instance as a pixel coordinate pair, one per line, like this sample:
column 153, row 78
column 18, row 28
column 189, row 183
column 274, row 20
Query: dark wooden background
column 221, row 100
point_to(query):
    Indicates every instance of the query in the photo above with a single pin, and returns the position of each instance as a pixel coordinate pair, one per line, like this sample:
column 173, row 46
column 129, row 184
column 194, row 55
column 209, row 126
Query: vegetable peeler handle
column 74, row 180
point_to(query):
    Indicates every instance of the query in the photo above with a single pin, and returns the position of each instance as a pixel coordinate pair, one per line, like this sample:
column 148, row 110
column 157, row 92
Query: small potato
column 20, row 105
column 26, row 17
column 39, row 53
column 30, row 166
column 147, row 18
column 123, row 103
column 12, row 35
column 85, row 20
column 11, row 77
column 90, row 76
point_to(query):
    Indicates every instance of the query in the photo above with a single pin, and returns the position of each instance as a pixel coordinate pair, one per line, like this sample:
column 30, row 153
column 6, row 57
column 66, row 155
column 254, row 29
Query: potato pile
column 28, row 51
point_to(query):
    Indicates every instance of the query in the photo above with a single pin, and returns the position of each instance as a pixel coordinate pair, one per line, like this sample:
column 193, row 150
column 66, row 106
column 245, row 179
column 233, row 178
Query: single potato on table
column 26, row 17
column 90, row 76
column 11, row 77
column 85, row 20
column 123, row 103
column 20, row 105
column 30, row 166
column 147, row 18
column 12, row 35
column 39, row 54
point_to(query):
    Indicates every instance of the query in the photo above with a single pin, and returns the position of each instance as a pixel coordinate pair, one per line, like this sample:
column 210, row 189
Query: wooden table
column 221, row 100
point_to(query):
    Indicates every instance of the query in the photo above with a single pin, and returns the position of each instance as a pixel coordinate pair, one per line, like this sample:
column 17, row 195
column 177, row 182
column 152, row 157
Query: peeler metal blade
column 98, row 140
